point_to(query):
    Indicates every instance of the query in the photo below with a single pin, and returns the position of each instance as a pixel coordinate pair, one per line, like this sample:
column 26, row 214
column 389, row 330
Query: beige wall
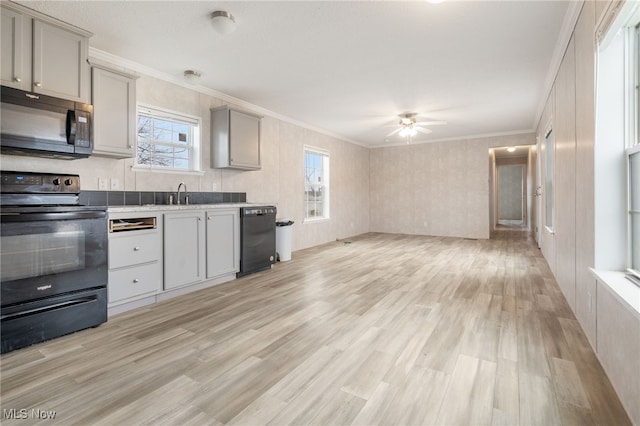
column 280, row 181
column 437, row 189
column 607, row 321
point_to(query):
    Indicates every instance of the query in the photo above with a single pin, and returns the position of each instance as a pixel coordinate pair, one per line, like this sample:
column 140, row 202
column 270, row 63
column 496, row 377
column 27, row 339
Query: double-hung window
column 633, row 155
column 617, row 148
column 167, row 140
column 316, row 184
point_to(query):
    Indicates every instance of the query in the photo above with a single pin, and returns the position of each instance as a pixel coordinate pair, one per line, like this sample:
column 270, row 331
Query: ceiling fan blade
column 422, row 130
column 394, row 132
column 430, row 123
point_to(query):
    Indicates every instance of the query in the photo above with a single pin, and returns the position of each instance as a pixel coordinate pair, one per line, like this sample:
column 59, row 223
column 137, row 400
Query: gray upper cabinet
column 45, row 56
column 235, row 139
column 114, row 113
column 12, row 66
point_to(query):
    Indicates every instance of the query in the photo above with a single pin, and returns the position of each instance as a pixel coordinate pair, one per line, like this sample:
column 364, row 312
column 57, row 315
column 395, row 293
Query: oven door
column 47, row 254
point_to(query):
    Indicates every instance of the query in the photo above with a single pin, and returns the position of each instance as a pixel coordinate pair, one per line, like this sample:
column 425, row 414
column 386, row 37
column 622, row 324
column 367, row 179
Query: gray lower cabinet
column 223, row 242
column 114, row 113
column 184, row 248
column 135, row 258
column 43, row 55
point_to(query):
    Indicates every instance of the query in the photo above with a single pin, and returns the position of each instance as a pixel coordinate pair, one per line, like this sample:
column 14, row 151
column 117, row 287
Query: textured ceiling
column 347, row 67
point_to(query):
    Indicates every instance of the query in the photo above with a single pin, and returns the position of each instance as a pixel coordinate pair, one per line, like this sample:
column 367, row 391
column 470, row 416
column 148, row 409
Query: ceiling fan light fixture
column 408, row 132
column 223, row 22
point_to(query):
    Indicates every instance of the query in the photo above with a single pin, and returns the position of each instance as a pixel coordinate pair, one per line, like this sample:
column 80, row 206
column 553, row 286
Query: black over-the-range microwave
column 34, row 124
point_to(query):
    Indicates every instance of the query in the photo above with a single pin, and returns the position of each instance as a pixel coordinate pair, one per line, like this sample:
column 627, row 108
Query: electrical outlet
column 214, row 187
column 115, row 184
column 103, row 184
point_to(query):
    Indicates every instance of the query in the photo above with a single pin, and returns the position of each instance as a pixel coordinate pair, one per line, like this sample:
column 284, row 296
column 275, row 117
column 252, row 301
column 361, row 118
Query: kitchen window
column 167, row 141
column 316, row 184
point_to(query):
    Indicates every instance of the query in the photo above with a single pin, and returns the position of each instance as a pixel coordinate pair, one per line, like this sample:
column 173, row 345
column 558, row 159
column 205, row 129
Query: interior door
column 547, row 160
column 538, row 194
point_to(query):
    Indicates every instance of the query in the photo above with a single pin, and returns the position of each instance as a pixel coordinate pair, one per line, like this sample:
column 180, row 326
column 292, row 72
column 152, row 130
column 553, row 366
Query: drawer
column 135, row 281
column 135, row 249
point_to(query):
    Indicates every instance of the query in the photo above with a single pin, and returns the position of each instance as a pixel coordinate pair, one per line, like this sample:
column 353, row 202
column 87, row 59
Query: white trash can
column 283, row 239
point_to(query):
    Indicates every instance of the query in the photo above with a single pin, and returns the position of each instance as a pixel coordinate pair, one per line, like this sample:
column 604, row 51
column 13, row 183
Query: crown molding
column 462, row 138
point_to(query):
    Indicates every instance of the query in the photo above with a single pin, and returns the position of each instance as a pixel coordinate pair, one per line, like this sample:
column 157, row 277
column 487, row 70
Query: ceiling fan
column 409, row 126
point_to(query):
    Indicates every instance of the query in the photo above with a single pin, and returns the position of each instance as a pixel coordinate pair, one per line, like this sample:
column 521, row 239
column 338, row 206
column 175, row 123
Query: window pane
column 315, row 191
column 635, row 241
column 634, row 181
column 181, row 163
column 637, row 50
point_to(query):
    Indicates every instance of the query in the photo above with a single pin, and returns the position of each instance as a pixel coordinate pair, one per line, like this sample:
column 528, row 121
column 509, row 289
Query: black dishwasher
column 257, row 239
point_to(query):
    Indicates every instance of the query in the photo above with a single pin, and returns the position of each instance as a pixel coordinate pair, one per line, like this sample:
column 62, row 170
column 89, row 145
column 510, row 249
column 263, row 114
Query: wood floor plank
column 506, row 405
column 414, row 403
column 538, row 403
column 389, row 329
column 469, row 396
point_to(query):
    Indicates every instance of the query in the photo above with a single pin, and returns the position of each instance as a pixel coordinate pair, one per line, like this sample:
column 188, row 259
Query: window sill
column 320, row 220
column 167, row 171
column 620, row 286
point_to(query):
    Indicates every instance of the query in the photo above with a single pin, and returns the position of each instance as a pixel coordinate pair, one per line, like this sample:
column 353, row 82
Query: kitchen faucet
column 186, row 197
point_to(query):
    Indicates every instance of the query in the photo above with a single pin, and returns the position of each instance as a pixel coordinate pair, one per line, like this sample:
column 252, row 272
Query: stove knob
column 68, row 182
column 56, row 181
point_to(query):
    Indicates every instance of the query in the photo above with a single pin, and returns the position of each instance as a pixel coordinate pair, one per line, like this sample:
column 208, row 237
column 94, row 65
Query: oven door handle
column 32, row 217
column 47, row 308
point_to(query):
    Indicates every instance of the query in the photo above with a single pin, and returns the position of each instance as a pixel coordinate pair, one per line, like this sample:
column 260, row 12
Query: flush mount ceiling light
column 223, row 22
column 192, row 75
column 511, row 149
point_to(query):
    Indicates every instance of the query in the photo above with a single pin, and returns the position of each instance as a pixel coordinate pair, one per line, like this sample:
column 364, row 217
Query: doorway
column 511, row 196
column 511, row 188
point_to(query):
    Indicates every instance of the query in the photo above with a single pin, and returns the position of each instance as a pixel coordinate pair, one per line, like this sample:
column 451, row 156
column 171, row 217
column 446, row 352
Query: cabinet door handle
column 37, row 84
column 210, row 217
column 17, row 80
column 135, row 280
column 136, row 249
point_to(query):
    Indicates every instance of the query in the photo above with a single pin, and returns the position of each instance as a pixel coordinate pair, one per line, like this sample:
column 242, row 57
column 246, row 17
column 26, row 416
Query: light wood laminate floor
column 386, row 329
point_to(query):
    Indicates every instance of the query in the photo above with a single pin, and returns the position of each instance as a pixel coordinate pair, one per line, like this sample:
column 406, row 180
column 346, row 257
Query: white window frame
column 634, row 269
column 326, row 184
column 194, row 123
column 633, row 129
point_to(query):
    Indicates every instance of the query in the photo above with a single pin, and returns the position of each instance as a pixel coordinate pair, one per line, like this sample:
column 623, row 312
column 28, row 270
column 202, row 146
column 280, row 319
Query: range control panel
column 38, row 183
